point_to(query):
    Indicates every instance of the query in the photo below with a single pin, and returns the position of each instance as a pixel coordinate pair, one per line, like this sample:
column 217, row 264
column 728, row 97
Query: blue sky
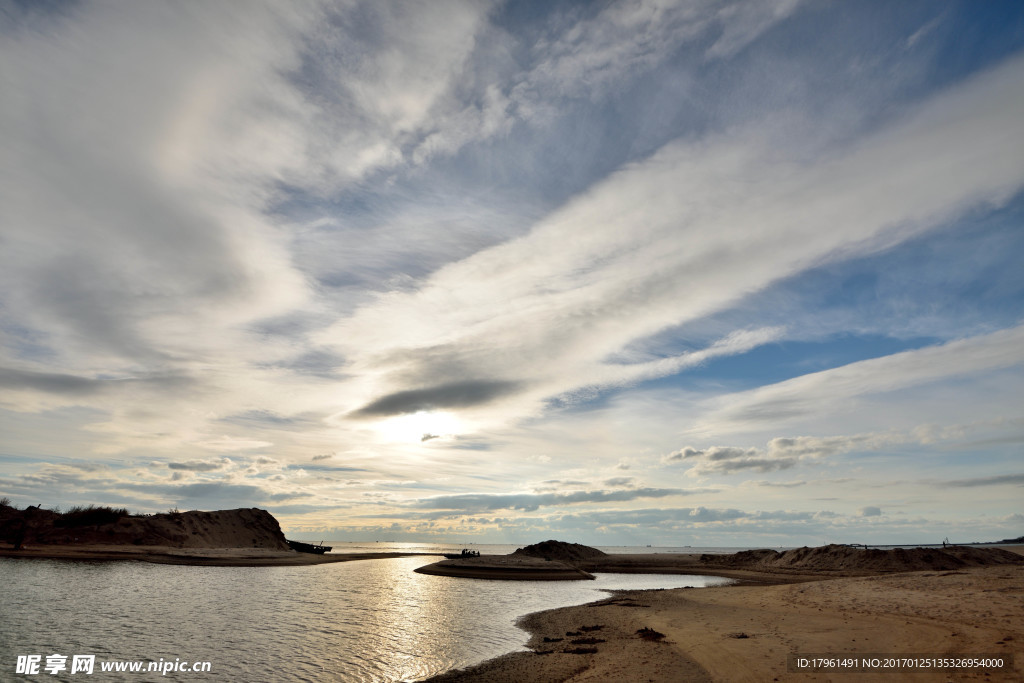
column 679, row 273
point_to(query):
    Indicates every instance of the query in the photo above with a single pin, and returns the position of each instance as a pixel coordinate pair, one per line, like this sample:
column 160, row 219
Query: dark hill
column 560, row 551
column 241, row 528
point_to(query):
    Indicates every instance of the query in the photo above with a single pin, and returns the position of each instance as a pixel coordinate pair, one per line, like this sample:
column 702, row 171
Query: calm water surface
column 370, row 620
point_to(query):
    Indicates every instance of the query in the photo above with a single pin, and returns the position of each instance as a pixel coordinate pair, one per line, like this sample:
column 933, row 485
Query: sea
column 366, row 620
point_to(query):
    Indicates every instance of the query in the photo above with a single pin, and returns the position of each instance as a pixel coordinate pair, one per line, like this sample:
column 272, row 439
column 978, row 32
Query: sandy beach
column 746, row 632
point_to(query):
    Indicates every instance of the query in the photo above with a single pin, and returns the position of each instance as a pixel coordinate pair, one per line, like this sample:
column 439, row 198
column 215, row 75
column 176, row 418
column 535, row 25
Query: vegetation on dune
column 103, row 524
column 90, row 515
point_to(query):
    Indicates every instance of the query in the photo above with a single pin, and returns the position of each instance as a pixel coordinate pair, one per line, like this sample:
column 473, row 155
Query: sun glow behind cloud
column 419, row 426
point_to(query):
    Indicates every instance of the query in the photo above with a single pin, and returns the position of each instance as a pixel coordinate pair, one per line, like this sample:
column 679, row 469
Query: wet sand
column 203, row 557
column 745, row 631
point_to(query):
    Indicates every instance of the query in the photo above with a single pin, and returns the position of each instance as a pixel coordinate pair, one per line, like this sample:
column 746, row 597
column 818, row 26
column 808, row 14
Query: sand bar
column 506, row 567
column 517, row 568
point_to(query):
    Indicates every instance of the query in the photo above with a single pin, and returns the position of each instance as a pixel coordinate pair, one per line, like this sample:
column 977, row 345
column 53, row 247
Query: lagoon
column 370, row 620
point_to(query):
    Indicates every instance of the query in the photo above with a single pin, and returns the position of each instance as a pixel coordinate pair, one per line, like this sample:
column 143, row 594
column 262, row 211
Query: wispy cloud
column 383, row 254
column 810, row 393
column 998, row 480
column 781, row 453
column 200, row 465
column 470, row 502
column 577, row 301
column 462, row 394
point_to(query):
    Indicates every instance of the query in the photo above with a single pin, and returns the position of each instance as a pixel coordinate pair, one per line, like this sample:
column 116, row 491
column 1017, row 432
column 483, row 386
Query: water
column 497, row 549
column 369, row 620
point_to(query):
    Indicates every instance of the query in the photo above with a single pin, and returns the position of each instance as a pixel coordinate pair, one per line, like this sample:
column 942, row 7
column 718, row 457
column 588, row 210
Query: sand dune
column 241, row 528
column 850, row 560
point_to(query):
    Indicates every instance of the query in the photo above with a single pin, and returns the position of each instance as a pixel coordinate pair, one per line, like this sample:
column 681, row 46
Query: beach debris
column 581, row 651
column 739, row 635
column 315, row 548
column 649, row 634
column 553, row 640
column 592, row 628
column 573, row 633
column 623, row 602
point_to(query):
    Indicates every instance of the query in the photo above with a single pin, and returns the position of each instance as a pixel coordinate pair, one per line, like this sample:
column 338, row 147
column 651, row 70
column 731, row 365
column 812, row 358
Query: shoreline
column 484, row 567
column 745, row 632
column 197, row 557
column 492, row 567
column 757, row 566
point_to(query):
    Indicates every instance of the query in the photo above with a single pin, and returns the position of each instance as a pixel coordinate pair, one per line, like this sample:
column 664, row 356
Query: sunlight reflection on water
column 371, row 620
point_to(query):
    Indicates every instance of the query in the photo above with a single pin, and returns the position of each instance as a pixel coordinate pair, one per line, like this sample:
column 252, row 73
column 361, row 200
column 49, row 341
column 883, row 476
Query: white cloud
column 223, row 223
column 390, row 84
column 670, row 239
column 125, row 224
column 812, row 393
column 233, row 443
column 461, row 503
column 742, row 23
column 627, row 38
column 145, row 144
column 782, row 453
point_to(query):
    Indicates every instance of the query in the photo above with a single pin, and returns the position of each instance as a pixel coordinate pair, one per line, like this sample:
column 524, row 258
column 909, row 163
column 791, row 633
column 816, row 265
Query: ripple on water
column 372, row 620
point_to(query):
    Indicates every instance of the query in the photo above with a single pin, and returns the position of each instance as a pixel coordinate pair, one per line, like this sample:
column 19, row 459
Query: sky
column 661, row 272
